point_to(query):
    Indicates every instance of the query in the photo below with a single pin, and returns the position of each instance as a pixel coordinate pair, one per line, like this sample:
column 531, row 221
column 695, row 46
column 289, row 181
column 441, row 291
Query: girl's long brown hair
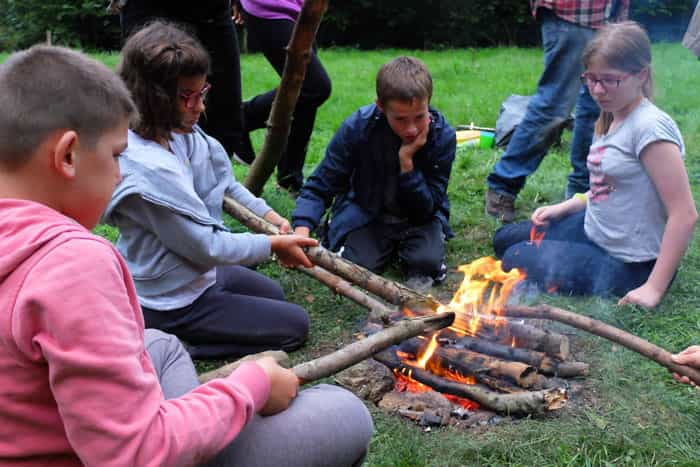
column 153, row 59
column 624, row 46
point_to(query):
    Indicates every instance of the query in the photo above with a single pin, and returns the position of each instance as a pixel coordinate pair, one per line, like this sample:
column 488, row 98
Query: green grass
column 630, row 412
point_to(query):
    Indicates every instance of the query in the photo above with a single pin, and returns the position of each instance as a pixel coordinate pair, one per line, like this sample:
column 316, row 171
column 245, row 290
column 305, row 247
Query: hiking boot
column 502, row 207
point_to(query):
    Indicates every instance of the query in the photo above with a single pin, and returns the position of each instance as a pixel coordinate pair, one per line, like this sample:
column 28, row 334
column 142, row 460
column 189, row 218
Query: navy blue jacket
column 352, row 175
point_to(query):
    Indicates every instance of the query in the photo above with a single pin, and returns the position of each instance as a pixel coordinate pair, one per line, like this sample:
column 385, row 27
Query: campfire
column 483, row 361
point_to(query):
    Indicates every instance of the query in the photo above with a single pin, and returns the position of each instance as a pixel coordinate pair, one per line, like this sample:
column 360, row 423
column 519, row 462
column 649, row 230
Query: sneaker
column 243, row 152
column 442, row 275
column 502, row 207
column 420, row 283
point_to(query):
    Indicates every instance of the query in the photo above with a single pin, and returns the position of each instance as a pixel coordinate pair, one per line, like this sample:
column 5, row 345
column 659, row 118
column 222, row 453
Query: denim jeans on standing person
column 567, row 261
column 558, row 90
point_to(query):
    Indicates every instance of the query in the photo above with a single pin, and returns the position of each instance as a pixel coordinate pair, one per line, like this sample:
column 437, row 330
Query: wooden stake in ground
column 361, row 350
column 519, row 403
column 601, row 329
column 280, row 119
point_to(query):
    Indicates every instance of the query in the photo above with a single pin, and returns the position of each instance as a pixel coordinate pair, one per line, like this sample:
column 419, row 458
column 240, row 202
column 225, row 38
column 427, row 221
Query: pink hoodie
column 76, row 384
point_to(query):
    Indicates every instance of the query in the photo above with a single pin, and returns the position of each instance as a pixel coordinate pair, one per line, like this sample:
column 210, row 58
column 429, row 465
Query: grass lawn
column 630, row 412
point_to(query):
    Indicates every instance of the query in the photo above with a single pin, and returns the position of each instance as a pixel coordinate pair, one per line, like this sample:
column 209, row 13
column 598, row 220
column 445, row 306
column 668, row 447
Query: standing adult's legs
column 550, row 106
column 272, row 37
column 587, row 112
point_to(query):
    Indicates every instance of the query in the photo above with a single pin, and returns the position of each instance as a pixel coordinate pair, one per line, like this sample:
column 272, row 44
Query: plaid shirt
column 589, row 13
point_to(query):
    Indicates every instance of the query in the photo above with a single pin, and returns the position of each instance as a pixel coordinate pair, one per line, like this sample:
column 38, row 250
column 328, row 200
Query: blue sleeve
column 331, row 177
column 424, row 189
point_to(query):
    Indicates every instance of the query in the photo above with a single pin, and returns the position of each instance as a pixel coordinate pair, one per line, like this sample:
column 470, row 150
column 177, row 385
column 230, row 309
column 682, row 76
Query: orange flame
column 535, row 236
column 484, row 290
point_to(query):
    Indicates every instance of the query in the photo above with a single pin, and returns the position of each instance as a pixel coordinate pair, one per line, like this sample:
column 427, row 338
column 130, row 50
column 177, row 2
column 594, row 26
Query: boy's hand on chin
column 408, row 150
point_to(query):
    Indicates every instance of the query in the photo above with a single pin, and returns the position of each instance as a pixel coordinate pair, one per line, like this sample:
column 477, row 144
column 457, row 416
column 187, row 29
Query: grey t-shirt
column 625, row 214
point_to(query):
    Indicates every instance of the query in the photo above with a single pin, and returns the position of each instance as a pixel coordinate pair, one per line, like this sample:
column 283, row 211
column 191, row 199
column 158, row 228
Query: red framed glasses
column 192, row 98
column 608, row 82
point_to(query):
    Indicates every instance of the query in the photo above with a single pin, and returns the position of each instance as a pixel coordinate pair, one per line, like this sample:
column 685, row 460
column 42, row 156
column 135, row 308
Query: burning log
column 390, row 291
column 526, row 402
column 601, row 329
column 467, row 362
column 529, row 337
column 358, row 351
column 539, row 360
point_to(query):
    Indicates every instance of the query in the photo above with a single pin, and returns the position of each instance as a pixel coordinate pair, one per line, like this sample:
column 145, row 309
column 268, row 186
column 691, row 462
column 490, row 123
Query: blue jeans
column 567, row 261
column 558, row 90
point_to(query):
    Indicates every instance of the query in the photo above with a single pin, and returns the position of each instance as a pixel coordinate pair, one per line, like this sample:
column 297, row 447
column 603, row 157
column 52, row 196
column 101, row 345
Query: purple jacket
column 273, row 9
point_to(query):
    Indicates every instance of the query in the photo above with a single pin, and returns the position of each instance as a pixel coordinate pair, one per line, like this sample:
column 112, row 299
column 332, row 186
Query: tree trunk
column 601, row 329
column 280, row 119
column 520, row 403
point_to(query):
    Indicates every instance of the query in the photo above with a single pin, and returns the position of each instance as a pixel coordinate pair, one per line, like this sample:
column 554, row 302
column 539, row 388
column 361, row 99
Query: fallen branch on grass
column 601, row 329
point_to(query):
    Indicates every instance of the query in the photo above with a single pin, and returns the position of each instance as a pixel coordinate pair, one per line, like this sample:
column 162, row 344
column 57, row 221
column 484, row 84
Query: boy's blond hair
column 404, row 79
column 44, row 89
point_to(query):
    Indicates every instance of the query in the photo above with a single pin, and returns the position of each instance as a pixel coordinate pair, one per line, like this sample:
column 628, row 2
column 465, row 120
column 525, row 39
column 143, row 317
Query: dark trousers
column 273, row 36
column 214, row 28
column 420, row 249
column 567, row 261
column 243, row 313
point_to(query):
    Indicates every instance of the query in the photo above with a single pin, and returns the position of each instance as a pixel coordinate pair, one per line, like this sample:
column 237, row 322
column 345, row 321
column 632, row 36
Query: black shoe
column 243, row 151
column 442, row 275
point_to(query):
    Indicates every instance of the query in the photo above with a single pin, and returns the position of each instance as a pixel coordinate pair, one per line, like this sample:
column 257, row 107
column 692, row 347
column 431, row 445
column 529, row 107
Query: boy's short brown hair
column 44, row 89
column 153, row 59
column 404, row 79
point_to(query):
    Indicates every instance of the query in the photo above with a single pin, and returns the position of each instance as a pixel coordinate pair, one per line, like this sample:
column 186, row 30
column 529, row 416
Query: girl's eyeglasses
column 192, row 98
column 609, row 82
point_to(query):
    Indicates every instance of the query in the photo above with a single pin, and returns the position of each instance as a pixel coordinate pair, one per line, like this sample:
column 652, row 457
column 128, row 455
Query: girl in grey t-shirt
column 625, row 236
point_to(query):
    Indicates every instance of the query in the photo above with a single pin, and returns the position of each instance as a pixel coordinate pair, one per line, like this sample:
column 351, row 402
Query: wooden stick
column 391, row 291
column 467, row 362
column 361, row 350
column 539, row 360
column 280, row 357
column 335, row 283
column 525, row 402
column 601, row 329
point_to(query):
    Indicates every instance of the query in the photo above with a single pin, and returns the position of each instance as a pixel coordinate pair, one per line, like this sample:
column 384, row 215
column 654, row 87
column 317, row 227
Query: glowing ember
column 405, row 383
column 535, row 236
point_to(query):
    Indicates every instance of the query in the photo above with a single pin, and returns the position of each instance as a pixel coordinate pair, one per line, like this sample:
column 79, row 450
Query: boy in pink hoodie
column 77, row 383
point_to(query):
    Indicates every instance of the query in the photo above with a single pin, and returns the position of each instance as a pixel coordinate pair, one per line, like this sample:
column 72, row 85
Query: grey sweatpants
column 324, row 426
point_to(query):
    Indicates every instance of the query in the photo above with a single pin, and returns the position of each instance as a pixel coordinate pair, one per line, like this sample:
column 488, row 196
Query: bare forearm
column 677, row 235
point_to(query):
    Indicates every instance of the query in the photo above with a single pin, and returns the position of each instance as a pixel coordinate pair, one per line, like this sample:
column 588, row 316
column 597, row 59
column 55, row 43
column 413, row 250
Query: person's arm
column 543, row 215
column 330, row 178
column 81, row 319
column 690, row 357
column 421, row 193
column 662, row 161
column 203, row 245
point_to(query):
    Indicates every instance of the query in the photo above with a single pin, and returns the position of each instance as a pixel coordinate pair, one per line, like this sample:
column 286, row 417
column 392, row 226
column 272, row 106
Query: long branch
column 601, row 329
column 361, row 350
column 391, row 291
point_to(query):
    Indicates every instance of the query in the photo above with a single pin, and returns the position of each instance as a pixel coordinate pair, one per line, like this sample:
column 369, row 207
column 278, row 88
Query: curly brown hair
column 153, row 58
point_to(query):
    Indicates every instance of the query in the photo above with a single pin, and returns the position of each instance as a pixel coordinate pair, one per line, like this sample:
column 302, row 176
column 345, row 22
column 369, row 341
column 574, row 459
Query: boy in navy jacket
column 385, row 173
